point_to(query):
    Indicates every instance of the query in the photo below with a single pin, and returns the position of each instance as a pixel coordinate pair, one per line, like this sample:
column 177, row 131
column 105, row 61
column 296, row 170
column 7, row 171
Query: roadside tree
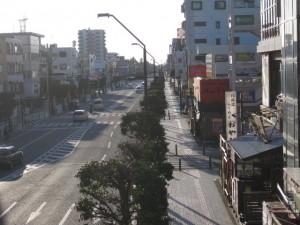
column 105, row 189
column 142, row 125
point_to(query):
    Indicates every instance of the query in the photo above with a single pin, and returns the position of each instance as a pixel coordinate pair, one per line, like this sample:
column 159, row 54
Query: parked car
column 10, row 156
column 80, row 115
column 98, row 104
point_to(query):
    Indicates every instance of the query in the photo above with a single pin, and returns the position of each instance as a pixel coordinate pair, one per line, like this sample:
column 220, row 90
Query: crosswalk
column 67, row 121
column 94, row 115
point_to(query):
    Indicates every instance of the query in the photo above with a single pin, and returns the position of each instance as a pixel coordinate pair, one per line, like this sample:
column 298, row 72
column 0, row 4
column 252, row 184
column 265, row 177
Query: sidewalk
column 194, row 193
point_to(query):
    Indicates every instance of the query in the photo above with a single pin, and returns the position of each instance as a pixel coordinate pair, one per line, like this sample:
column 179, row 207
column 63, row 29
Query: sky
column 153, row 22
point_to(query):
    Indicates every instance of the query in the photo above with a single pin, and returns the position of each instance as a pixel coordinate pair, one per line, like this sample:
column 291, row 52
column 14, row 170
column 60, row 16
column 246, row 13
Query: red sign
column 197, row 71
column 210, row 91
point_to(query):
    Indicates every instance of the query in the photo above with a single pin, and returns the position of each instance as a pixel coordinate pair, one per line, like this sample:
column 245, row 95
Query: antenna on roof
column 23, row 24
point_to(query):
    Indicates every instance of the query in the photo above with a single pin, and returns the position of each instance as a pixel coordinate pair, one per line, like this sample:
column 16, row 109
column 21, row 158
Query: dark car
column 10, row 156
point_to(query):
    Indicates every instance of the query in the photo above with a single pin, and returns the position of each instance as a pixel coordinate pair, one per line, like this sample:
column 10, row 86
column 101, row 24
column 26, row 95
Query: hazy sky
column 154, row 22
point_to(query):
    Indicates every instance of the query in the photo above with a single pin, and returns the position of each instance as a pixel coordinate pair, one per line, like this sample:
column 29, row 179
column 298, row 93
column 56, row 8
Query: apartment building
column 11, row 66
column 64, row 63
column 92, row 42
column 31, row 44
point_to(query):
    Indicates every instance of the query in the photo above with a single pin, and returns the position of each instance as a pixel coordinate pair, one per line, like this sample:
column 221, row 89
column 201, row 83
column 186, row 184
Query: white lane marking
column 104, row 157
column 108, row 145
column 179, row 126
column 36, row 213
column 51, row 131
column 111, row 134
column 8, row 209
column 67, row 214
column 115, row 126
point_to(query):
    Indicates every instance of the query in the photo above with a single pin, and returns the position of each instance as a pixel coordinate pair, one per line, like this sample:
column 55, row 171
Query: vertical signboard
column 231, row 113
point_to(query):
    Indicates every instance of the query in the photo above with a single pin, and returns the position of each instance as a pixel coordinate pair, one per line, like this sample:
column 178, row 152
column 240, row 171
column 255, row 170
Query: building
column 222, row 46
column 63, row 62
column 11, row 66
column 31, row 44
column 280, row 71
column 270, row 154
column 92, row 42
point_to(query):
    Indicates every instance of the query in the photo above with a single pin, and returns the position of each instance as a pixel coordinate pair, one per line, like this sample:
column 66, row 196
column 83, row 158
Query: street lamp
column 144, row 47
column 148, row 54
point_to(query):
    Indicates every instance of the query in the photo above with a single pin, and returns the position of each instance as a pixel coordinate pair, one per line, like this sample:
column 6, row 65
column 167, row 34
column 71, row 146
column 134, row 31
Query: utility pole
column 49, row 80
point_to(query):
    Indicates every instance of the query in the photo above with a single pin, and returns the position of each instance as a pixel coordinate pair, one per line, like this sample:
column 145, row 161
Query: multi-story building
column 93, row 42
column 279, row 48
column 266, row 162
column 64, row 63
column 206, row 34
column 11, row 66
column 31, row 43
column 221, row 39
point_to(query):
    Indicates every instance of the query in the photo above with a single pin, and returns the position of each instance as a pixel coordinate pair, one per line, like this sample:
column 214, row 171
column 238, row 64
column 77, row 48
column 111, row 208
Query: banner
column 231, row 115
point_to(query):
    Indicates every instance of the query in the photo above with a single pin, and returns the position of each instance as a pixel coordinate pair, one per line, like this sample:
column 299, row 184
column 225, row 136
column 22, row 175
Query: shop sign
column 245, row 57
column 231, row 110
column 197, row 71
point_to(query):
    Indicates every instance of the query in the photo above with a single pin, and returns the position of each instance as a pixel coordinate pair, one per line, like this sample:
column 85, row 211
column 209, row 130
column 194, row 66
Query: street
column 44, row 189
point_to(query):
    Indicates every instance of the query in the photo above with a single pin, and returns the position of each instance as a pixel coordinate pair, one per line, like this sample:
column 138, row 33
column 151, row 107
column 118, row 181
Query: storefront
column 251, row 168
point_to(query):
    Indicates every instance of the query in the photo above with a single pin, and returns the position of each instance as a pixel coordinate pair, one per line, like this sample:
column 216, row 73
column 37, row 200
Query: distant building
column 92, row 42
column 63, row 61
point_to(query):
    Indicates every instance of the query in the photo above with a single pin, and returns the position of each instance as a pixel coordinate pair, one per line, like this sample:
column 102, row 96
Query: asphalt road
column 44, row 189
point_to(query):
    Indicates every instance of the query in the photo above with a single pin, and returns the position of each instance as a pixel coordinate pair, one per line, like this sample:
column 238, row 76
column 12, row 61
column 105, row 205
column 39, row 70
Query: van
column 98, row 104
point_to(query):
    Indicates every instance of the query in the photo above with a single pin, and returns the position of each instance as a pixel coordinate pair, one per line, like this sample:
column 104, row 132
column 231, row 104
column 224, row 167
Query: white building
column 207, row 32
column 92, row 42
column 64, row 63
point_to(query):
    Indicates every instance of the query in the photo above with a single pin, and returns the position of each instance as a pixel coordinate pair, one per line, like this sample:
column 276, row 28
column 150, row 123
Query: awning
column 250, row 145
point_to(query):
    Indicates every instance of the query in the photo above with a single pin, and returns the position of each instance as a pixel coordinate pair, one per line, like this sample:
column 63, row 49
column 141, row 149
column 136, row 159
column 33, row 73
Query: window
column 218, row 24
column 62, row 54
column 221, row 58
column 218, row 41
column 200, row 58
column 63, row 66
column 200, row 24
column 220, row 5
column 244, row 20
column 196, row 5
column 236, row 40
column 250, row 4
column 200, row 41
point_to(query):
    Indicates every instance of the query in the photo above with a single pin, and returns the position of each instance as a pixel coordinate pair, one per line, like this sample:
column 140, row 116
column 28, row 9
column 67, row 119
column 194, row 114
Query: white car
column 138, row 89
column 98, row 104
column 80, row 115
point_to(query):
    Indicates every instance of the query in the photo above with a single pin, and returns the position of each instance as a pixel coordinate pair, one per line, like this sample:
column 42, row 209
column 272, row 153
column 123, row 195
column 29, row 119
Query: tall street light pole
column 144, row 47
column 148, row 54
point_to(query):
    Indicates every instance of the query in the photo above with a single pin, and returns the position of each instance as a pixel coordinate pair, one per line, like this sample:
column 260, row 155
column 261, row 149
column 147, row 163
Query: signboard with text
column 197, row 71
column 231, row 113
